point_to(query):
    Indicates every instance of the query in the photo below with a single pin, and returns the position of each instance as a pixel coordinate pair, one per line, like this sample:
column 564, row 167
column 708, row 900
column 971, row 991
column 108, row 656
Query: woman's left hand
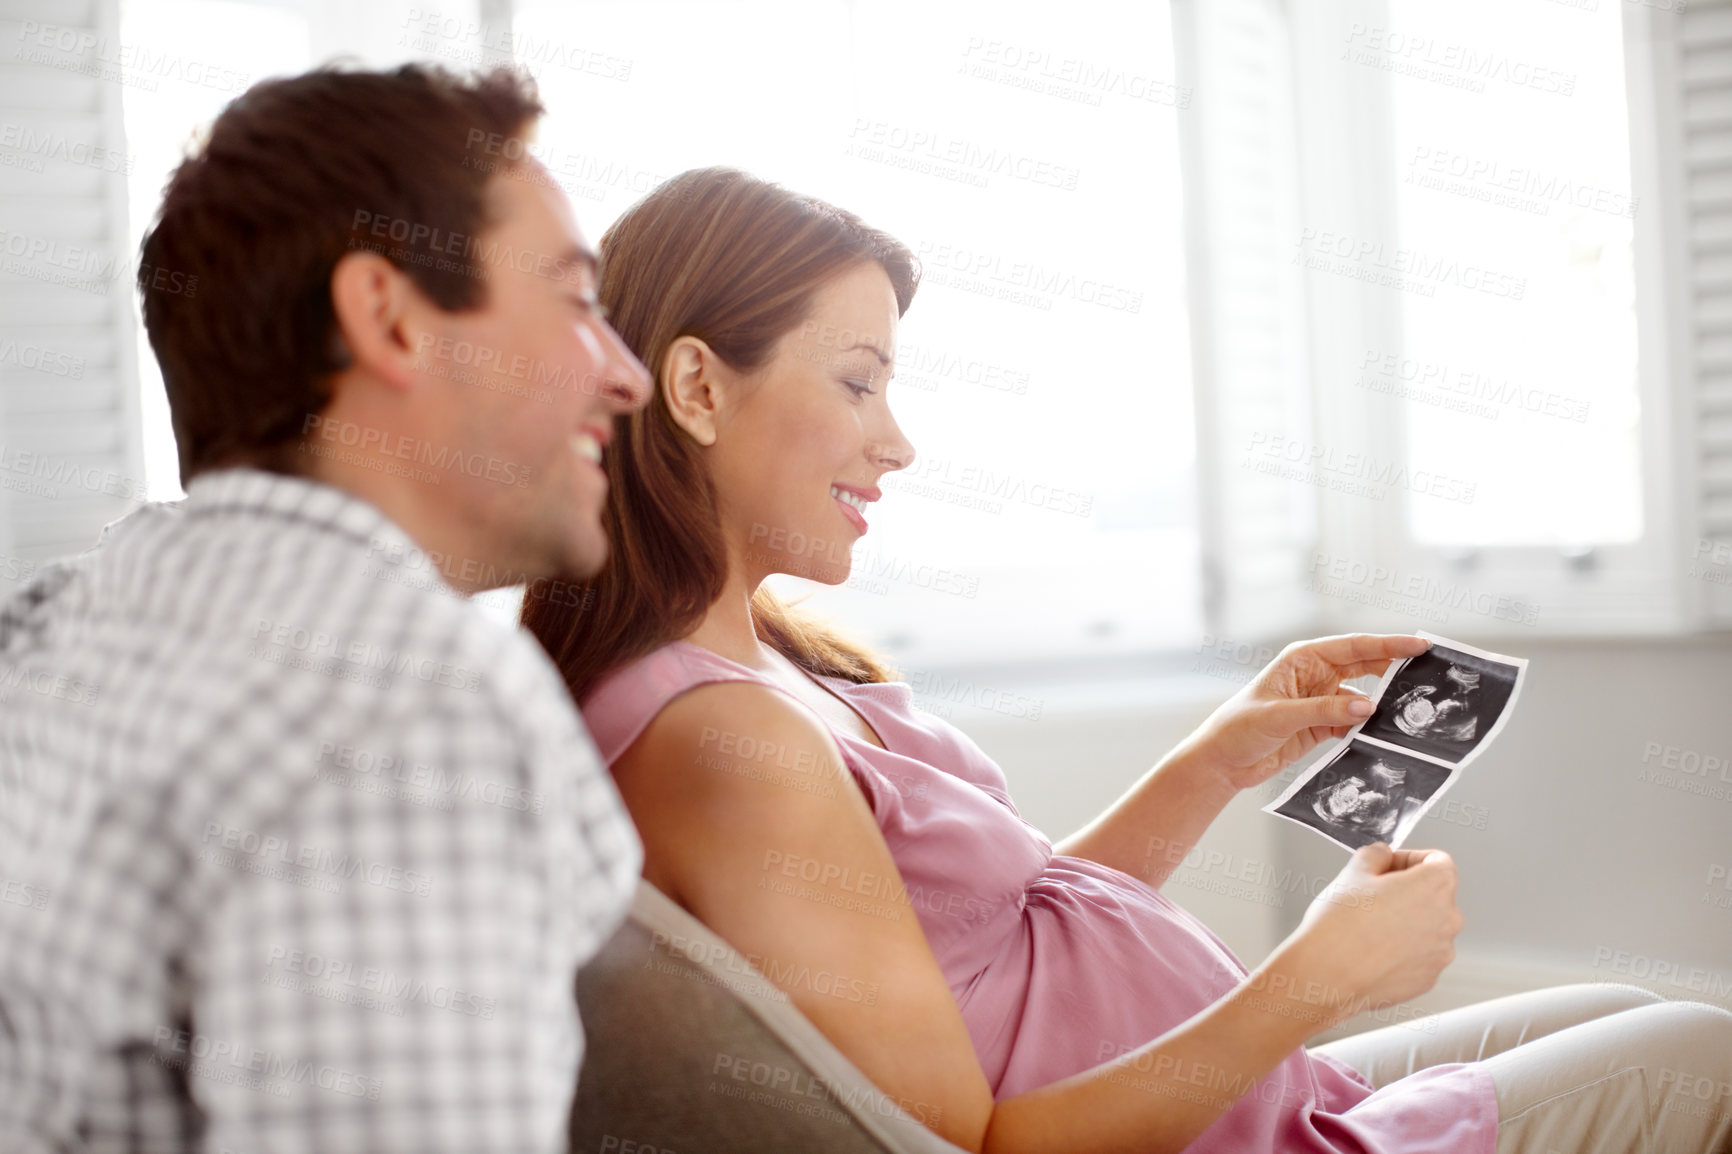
column 1297, row 701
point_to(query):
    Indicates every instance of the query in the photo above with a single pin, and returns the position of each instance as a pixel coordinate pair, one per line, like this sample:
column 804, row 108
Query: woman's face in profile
column 801, row 446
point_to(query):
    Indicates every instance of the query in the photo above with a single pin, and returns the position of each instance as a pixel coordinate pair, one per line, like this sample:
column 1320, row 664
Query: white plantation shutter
column 71, row 455
column 1247, row 311
column 1699, row 63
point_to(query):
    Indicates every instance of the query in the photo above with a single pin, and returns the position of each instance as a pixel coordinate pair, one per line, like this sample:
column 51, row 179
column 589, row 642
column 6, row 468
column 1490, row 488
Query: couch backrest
column 689, row 1049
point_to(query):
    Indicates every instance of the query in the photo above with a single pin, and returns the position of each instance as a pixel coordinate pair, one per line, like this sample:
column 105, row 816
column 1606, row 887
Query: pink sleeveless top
column 1059, row 963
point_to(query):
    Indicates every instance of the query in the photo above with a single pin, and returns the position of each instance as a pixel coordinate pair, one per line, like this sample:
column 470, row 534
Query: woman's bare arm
column 771, row 850
column 1148, row 831
column 1298, row 700
column 801, row 877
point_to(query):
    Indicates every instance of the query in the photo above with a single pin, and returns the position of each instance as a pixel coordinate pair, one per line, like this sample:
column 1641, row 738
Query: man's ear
column 690, row 387
column 371, row 299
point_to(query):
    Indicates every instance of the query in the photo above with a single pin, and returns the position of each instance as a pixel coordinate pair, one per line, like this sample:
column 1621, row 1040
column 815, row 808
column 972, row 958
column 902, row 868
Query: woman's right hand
column 1379, row 934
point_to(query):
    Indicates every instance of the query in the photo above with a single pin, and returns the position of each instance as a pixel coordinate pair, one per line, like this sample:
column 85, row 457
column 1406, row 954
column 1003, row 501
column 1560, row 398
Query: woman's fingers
column 1407, row 858
column 1358, row 654
column 1338, row 711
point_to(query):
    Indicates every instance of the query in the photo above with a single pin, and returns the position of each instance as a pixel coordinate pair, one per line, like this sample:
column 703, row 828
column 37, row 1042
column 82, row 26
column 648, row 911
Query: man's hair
column 295, row 173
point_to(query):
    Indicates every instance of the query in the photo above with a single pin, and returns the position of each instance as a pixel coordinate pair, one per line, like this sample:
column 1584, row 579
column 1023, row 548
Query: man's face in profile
column 533, row 380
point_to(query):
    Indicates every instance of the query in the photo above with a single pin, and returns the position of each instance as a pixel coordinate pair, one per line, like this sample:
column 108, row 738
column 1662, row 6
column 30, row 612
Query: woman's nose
column 891, row 455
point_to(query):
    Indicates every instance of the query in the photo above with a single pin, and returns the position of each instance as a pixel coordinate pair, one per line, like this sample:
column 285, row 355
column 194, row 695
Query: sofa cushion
column 690, row 1049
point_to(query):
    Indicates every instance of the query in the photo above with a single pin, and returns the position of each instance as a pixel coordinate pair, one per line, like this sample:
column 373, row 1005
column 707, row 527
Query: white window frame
column 1639, row 589
column 80, row 437
column 1610, row 590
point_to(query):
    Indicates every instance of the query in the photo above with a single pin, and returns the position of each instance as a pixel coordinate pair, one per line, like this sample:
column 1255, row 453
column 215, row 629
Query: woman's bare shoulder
column 721, row 760
column 751, row 820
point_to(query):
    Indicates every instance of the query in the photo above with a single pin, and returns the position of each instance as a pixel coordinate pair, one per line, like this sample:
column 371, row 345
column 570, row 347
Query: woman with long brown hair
column 1024, row 996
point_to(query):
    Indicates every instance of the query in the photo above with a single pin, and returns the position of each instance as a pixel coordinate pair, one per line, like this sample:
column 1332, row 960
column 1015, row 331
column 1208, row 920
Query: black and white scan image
column 1366, row 794
column 1444, row 702
column 1433, row 714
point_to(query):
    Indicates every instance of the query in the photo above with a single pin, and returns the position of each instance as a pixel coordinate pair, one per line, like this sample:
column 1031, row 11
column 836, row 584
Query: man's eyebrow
column 578, row 254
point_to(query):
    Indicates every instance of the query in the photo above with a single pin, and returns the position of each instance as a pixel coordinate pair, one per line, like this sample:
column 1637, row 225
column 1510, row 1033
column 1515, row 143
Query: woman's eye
column 859, row 388
column 591, row 305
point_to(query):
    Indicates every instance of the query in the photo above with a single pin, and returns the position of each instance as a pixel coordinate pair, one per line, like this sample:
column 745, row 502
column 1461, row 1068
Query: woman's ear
column 690, row 387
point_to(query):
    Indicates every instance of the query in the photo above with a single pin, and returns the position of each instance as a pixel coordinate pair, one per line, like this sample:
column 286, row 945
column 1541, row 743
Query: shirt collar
column 321, row 506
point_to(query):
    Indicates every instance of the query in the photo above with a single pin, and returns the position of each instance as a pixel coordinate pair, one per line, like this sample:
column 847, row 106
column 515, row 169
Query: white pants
column 1588, row 1069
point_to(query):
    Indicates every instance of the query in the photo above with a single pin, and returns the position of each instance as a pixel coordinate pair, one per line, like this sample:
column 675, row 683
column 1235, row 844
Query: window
column 209, row 51
column 1031, row 161
column 1492, row 443
column 1166, row 247
column 1516, row 163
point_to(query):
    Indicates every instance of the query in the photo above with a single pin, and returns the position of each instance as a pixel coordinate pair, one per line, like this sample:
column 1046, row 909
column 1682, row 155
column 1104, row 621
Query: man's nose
column 625, row 382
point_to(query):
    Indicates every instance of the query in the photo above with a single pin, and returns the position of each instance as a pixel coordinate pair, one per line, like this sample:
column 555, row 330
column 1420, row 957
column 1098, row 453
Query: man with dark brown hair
column 312, row 857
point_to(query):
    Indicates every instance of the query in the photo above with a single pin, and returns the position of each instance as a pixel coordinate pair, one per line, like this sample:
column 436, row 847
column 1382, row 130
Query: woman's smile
column 853, row 505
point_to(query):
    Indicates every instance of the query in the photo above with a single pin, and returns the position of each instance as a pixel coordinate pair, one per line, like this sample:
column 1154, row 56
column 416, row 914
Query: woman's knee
column 1615, row 997
column 1696, row 1028
column 1693, row 1042
column 1546, row 1011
